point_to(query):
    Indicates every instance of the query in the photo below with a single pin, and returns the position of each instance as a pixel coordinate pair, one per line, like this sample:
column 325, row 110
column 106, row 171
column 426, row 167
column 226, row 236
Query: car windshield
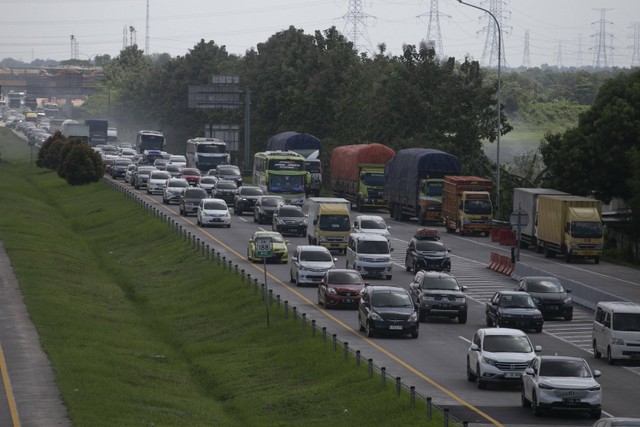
column 190, row 171
column 207, row 180
column 586, row 229
column 564, row 368
column 290, row 212
column 446, row 283
column 626, row 322
column 313, row 255
column 517, row 301
column 373, row 247
column 215, row 206
column 335, row 223
column 391, row 299
column 373, row 179
column 145, row 170
column 173, row 168
column 181, row 184
column 226, row 185
column 429, row 246
column 229, row 172
column 160, row 175
column 275, row 238
column 373, row 224
column 195, row 193
column 506, row 344
column 477, row 207
column 251, row 191
column 179, row 159
column 271, row 201
column 344, row 277
column 544, row 285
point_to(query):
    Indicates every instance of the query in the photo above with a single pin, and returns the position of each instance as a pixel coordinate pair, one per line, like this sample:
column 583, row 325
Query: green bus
column 281, row 173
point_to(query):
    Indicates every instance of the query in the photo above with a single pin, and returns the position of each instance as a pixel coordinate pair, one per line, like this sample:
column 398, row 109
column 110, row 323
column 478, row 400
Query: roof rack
column 427, row 234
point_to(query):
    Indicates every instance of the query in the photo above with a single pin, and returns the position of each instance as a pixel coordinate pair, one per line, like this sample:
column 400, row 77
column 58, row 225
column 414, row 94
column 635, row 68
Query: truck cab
column 430, row 199
column 329, row 224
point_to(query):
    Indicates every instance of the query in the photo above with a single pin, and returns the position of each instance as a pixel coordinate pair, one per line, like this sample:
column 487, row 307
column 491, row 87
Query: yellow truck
column 570, row 226
column 329, row 224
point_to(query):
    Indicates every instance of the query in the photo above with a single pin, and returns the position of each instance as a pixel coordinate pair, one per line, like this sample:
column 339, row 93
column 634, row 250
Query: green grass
column 141, row 330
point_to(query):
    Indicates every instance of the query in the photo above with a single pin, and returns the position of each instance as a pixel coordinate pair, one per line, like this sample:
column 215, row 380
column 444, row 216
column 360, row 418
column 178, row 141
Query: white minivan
column 369, row 255
column 616, row 331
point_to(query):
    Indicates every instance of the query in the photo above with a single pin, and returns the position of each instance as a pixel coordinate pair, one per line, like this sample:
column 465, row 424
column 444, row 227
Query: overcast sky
column 561, row 32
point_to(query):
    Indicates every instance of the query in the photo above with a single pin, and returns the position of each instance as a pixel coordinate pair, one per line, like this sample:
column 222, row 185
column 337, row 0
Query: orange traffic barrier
column 495, row 260
column 501, row 263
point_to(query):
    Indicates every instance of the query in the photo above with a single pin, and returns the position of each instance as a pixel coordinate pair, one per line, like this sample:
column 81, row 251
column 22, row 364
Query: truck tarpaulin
column 303, row 143
column 345, row 159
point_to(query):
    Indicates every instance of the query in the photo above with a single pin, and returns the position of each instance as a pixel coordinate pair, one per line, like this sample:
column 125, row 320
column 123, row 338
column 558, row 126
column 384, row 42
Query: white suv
column 309, row 264
column 372, row 224
column 369, row 255
column 499, row 355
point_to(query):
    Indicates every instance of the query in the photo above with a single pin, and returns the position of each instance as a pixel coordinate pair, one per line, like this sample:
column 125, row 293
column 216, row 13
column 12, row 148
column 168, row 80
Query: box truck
column 526, row 200
column 466, row 204
column 329, row 224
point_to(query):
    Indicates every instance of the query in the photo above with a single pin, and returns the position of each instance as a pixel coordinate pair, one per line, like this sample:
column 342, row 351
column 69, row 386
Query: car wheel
column 422, row 315
column 415, row 334
column 407, row 267
column 470, row 376
column 237, row 211
column 228, row 225
column 596, row 414
column 389, row 276
column 360, row 326
column 488, row 321
column 298, row 284
column 523, row 400
column 369, row 330
column 596, row 353
column 539, row 329
column 537, row 411
column 568, row 316
column 610, row 358
column 462, row 318
column 481, row 384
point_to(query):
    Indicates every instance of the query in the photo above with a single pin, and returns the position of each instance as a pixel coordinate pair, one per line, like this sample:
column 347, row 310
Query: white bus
column 149, row 140
column 206, row 153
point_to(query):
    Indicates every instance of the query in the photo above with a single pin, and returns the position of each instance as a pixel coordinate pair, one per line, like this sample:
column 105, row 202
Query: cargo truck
column 570, row 226
column 357, row 174
column 413, row 182
column 74, row 130
column 329, row 224
column 526, row 199
column 98, row 130
column 466, row 204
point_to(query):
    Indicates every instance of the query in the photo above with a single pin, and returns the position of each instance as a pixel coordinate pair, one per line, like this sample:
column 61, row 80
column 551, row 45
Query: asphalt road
column 435, row 362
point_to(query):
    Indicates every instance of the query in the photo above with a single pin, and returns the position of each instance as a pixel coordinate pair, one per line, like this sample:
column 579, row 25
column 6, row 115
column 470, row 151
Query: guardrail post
column 278, row 300
column 398, row 386
column 429, row 408
column 324, row 333
column 286, row 309
column 383, row 373
column 255, row 285
column 270, row 296
column 248, row 279
column 262, row 291
column 334, row 340
column 294, row 311
column 208, row 258
column 358, row 358
column 412, row 391
column 224, row 262
column 370, row 363
column 446, row 417
column 313, row 328
column 231, row 266
column 346, row 351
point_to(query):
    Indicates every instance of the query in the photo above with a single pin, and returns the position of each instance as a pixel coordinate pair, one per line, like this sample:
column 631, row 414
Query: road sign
column 263, row 247
column 519, row 218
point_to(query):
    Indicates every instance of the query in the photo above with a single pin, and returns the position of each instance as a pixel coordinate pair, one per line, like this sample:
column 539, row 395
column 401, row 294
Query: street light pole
column 497, row 194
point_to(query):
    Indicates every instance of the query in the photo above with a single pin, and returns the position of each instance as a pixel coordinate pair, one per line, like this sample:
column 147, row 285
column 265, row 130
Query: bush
column 80, row 164
column 49, row 153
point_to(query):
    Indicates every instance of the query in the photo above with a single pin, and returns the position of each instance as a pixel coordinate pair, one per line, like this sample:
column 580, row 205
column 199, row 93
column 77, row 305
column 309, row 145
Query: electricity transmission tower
column 600, row 49
column 74, row 47
column 526, row 57
column 635, row 59
column 434, row 35
column 579, row 59
column 146, row 36
column 491, row 43
column 559, row 56
column 356, row 26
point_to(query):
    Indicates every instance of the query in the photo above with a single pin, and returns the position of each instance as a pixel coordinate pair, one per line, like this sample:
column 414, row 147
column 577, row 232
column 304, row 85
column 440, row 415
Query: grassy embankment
column 141, row 330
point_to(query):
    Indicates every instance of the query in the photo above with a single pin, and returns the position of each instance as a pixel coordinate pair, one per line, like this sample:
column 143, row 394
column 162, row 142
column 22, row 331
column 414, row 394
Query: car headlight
column 489, row 361
column 302, row 268
column 594, row 388
column 544, row 386
column 413, row 317
column 460, row 299
column 567, row 300
column 375, row 316
column 617, row 341
column 466, row 221
column 332, row 291
column 281, row 221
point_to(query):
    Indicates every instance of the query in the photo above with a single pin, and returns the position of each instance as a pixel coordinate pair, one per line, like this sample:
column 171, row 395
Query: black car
column 265, row 207
column 426, row 252
column 119, row 168
column 550, row 296
column 438, row 294
column 245, row 198
column 387, row 310
column 224, row 190
column 289, row 219
column 190, row 200
column 513, row 309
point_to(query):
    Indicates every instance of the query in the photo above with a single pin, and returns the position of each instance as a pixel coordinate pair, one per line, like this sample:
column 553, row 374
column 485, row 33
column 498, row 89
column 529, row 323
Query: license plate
column 553, row 307
column 348, row 301
column 512, row 374
column 395, row 327
column 445, row 305
column 571, row 401
column 635, row 356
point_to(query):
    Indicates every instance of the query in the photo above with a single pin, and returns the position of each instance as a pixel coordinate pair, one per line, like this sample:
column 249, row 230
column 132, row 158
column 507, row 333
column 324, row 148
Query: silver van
column 616, row 331
column 369, row 255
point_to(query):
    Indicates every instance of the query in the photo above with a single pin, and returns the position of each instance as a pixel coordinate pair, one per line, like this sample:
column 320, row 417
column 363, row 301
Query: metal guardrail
column 375, row 372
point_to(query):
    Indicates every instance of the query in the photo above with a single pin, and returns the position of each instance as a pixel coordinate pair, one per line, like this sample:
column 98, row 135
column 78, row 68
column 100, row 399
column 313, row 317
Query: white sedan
column 213, row 212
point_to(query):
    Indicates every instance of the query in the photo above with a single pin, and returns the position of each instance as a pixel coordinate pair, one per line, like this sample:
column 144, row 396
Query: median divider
column 501, row 263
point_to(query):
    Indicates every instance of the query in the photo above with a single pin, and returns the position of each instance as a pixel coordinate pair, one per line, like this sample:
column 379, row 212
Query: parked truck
column 74, row 130
column 526, row 200
column 570, row 226
column 309, row 147
column 413, row 183
column 329, row 224
column 98, row 131
column 357, row 173
column 466, row 204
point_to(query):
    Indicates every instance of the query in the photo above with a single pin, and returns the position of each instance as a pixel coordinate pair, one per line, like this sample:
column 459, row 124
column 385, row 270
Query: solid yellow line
column 8, row 391
column 351, row 330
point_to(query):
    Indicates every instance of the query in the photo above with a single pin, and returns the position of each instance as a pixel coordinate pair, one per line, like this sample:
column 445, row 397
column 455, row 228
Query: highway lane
column 435, row 362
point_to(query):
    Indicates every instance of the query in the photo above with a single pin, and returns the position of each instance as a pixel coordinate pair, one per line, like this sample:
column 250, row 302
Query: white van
column 369, row 254
column 616, row 331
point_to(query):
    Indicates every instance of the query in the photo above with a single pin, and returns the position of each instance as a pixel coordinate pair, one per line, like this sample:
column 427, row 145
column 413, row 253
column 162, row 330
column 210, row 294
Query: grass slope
column 141, row 330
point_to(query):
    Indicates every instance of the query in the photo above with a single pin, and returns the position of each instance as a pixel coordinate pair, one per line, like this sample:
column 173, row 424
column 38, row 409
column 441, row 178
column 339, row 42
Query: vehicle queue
column 501, row 353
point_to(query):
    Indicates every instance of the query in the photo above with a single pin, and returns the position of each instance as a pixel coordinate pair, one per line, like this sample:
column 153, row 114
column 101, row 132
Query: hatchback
column 309, row 263
column 387, row 310
column 340, row 288
column 213, row 212
column 513, row 309
column 550, row 296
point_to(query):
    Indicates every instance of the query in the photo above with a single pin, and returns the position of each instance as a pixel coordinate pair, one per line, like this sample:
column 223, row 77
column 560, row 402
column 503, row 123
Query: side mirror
column 286, row 242
column 537, row 349
column 294, row 258
column 596, row 374
column 463, row 288
column 315, row 222
column 474, row 347
column 390, row 249
column 449, row 250
column 568, row 291
column 414, row 286
column 251, row 241
column 335, row 259
column 529, row 371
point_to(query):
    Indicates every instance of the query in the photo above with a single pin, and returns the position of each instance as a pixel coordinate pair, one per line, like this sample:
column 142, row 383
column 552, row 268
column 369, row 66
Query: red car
column 340, row 288
column 192, row 175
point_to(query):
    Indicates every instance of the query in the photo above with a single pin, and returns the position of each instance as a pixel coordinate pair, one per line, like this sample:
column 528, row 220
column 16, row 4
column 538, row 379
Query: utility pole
column 355, row 26
column 635, row 58
column 434, row 35
column 600, row 48
column 146, row 37
column 492, row 47
column 559, row 56
column 526, row 57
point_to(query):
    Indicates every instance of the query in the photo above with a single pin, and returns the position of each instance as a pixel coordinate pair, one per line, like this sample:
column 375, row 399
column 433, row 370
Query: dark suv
column 245, row 198
column 289, row 219
column 438, row 294
column 190, row 200
column 224, row 190
column 265, row 207
column 426, row 252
